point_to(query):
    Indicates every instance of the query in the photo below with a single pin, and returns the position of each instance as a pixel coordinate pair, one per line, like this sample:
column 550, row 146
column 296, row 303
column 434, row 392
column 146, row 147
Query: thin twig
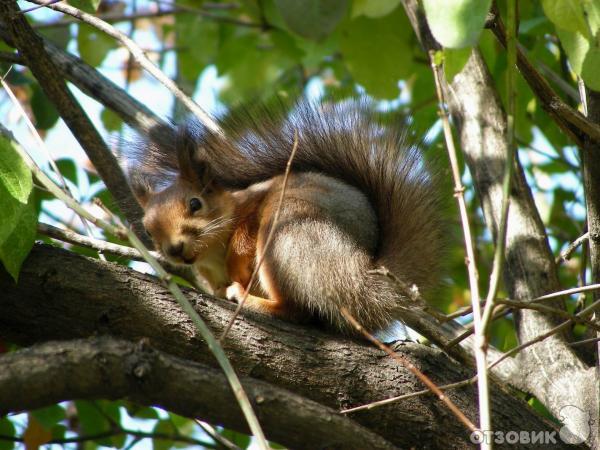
column 398, row 398
column 125, row 233
column 582, row 314
column 267, row 241
column 584, row 342
column 414, row 370
column 567, row 252
column 221, row 440
column 35, row 8
column 143, row 61
column 479, row 346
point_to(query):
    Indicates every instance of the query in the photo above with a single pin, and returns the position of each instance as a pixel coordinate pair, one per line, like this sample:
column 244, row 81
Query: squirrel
column 359, row 196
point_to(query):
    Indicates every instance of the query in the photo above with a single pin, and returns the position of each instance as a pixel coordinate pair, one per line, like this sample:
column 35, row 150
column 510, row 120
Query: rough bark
column 113, row 369
column 591, row 182
column 64, row 296
column 550, row 369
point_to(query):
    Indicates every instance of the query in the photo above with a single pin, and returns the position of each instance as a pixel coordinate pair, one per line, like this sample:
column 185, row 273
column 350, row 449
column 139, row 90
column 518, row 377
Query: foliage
column 271, row 48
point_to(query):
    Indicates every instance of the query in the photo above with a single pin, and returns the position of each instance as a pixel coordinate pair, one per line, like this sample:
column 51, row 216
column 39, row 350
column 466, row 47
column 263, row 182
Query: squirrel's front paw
column 235, row 291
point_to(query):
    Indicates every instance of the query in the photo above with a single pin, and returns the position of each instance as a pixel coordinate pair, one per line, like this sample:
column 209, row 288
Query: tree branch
column 79, row 369
column 53, row 301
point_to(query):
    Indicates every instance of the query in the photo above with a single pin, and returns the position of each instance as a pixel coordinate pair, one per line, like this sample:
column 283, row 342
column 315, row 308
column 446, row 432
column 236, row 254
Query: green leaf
column 373, row 8
column 190, row 30
column 43, row 109
column 68, row 169
column 6, row 429
column 312, row 19
column 253, row 64
column 142, row 412
column 590, row 69
column 17, row 245
column 164, row 426
column 364, row 41
column 15, row 188
column 239, row 439
column 15, row 176
column 566, row 14
column 49, row 416
column 576, row 47
column 93, row 45
column 456, row 23
column 455, row 60
column 111, row 120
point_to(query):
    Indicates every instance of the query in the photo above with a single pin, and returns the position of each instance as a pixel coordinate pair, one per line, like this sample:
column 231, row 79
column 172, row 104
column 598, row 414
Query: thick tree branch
column 31, row 47
column 53, row 300
column 79, row 369
column 550, row 369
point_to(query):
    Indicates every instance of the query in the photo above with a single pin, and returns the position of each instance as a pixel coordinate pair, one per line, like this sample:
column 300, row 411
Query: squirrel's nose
column 175, row 250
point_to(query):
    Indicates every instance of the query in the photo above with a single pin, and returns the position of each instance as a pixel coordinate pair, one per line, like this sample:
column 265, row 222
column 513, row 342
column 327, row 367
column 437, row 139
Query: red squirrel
column 358, row 197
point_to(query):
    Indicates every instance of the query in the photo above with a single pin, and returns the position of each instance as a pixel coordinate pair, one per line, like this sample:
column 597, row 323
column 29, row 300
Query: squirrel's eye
column 195, row 204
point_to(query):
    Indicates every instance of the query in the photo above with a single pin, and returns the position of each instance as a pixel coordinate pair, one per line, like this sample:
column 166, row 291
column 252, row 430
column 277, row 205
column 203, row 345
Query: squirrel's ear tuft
column 193, row 167
column 141, row 185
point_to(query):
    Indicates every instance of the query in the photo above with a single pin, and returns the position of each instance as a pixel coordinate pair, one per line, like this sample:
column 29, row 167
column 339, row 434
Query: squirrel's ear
column 141, row 186
column 193, row 167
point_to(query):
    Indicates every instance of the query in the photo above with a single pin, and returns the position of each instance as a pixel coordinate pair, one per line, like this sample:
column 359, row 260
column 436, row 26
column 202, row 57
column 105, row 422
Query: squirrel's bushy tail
column 346, row 141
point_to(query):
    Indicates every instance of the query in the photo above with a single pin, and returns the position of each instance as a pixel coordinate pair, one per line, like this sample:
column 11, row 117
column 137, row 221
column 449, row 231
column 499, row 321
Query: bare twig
column 567, row 252
column 479, row 348
column 34, row 8
column 398, row 398
column 414, row 370
column 582, row 314
column 267, row 241
column 141, row 58
column 212, row 432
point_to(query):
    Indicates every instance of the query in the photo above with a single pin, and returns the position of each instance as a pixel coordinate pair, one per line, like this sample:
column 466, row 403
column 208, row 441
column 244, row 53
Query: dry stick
column 549, row 310
column 267, row 241
column 124, row 233
column 212, row 432
column 387, row 401
column 503, row 310
column 583, row 313
column 479, row 347
column 141, row 58
column 511, row 50
column 410, row 366
column 84, row 241
column 590, row 287
column 567, row 252
column 585, row 341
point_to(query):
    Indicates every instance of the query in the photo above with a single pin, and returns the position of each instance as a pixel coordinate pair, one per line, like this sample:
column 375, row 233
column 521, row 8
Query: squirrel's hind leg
column 236, row 292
